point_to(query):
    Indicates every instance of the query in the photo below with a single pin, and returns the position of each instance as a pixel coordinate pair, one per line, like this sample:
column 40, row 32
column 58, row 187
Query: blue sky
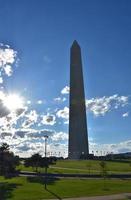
column 41, row 32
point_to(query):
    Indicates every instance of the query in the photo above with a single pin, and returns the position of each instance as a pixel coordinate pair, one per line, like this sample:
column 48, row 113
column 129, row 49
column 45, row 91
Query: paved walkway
column 110, row 197
column 76, row 175
column 122, row 196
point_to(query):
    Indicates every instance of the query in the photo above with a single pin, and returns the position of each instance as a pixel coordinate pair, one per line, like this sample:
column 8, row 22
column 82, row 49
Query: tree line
column 9, row 161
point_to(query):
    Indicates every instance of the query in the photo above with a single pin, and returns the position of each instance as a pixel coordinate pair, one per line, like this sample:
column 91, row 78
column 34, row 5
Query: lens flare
column 13, row 102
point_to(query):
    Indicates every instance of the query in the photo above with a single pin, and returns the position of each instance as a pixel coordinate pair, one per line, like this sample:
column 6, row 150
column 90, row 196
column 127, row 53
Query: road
column 91, row 176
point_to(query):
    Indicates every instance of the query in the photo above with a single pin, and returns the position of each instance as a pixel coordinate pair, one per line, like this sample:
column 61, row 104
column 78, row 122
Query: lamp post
column 46, row 137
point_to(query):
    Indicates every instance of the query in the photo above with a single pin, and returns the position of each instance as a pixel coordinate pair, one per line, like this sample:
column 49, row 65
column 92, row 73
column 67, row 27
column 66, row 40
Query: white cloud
column 102, row 105
column 98, row 106
column 64, row 113
column 2, row 95
column 65, row 90
column 31, row 119
column 66, row 122
column 8, row 70
column 7, row 59
column 104, row 149
column 41, row 133
column 1, row 80
column 63, row 99
column 24, row 134
column 21, row 133
column 10, row 120
column 27, row 148
column 32, row 115
column 48, row 119
column 39, row 102
column 28, row 102
column 57, row 99
column 60, row 136
column 26, row 141
column 29, row 133
column 4, row 111
column 125, row 114
column 60, row 99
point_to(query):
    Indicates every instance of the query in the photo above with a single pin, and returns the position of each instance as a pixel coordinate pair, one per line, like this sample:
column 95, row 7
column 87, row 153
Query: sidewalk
column 110, row 197
column 122, row 196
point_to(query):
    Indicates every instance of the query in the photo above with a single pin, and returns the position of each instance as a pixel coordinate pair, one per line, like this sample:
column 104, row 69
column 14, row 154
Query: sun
column 13, row 102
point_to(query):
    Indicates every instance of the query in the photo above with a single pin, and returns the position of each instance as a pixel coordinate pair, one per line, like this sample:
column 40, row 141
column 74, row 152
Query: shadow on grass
column 42, row 180
column 105, row 186
column 48, row 181
column 55, row 195
column 6, row 190
column 128, row 197
column 106, row 189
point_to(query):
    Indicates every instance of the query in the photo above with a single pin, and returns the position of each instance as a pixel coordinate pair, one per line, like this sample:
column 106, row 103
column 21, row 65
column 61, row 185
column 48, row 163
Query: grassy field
column 22, row 188
column 84, row 166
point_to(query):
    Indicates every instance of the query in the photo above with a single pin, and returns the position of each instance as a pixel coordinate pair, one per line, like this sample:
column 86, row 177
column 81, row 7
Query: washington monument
column 78, row 138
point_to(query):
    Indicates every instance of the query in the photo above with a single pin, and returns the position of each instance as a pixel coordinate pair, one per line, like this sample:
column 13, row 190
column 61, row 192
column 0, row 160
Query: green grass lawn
column 84, row 166
column 94, row 165
column 22, row 188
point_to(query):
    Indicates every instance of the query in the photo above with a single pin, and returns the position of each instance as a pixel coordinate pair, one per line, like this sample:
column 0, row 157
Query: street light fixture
column 46, row 137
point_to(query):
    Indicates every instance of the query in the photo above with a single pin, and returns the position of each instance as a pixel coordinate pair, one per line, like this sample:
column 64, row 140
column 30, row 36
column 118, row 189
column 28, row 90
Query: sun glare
column 13, row 102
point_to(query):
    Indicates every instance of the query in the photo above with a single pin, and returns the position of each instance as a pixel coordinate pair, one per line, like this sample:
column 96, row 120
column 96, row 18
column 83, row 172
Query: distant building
column 78, row 135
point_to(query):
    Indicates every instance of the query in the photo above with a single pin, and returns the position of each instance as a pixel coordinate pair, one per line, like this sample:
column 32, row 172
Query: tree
column 36, row 161
column 8, row 161
column 103, row 171
column 4, row 148
column 89, row 166
column 130, row 163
